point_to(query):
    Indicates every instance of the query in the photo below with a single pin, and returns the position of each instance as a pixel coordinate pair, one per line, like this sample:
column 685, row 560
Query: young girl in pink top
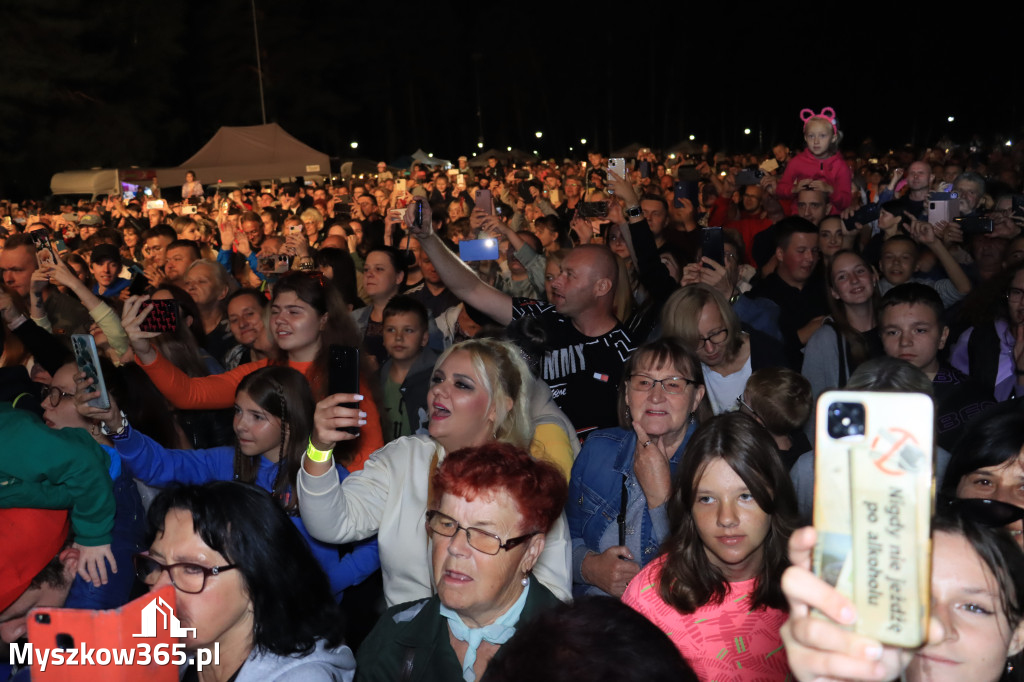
column 819, row 166
column 716, row 589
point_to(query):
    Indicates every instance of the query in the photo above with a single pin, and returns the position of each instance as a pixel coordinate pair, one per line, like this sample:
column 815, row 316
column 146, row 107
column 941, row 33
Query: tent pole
column 259, row 68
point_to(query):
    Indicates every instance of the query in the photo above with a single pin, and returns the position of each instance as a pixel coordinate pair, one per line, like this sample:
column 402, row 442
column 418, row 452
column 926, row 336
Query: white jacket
column 389, row 498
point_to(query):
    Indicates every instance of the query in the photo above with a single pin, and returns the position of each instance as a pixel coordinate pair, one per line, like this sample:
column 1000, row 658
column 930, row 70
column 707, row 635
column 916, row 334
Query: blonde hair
column 683, row 308
column 503, row 375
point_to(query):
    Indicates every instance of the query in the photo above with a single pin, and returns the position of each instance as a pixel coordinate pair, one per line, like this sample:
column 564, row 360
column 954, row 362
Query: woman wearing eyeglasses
column 490, row 510
column 701, row 317
column 247, row 582
column 622, row 477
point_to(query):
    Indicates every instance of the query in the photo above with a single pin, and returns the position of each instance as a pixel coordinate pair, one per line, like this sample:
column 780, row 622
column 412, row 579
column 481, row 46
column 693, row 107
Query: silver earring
column 526, row 581
column 693, row 416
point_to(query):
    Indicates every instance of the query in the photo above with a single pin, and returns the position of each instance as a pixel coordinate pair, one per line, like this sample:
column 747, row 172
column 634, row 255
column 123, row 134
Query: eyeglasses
column 671, row 385
column 54, row 394
column 1014, row 293
column 189, row 578
column 741, row 403
column 714, row 337
column 480, row 540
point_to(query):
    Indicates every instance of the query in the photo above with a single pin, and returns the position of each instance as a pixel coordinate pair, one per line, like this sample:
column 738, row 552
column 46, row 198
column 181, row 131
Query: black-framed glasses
column 671, row 385
column 1014, row 293
column 54, row 394
column 714, row 337
column 986, row 511
column 480, row 540
column 187, row 577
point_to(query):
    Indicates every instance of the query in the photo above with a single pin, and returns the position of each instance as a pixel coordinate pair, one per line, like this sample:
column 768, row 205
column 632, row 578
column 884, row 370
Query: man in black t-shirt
column 587, row 347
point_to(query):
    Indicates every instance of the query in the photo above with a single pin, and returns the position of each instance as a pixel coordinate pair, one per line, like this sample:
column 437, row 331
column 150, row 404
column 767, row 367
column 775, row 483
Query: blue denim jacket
column 595, row 493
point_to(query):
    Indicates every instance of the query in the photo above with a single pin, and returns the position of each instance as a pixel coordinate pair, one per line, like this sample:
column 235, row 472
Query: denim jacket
column 595, row 493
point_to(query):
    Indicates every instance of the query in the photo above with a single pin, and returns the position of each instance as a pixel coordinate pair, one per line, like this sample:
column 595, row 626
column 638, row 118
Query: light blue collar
column 498, row 632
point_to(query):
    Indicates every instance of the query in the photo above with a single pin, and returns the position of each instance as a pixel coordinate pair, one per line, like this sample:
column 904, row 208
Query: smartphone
column 44, row 249
column 943, row 206
column 189, row 209
column 485, row 201
column 686, row 189
column 478, row 249
column 88, row 361
column 712, row 245
column 142, row 627
column 460, row 181
column 555, row 197
column 749, row 177
column 417, row 216
column 295, row 228
column 975, row 225
column 400, row 186
column 873, row 502
column 618, row 166
column 769, row 166
column 139, row 285
column 645, row 169
column 343, row 374
column 162, row 318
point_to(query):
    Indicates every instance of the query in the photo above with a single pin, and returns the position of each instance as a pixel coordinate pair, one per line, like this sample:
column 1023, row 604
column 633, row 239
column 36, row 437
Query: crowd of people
column 577, row 432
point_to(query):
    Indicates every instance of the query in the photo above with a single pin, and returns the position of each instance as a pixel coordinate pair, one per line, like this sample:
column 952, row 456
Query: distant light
column 1009, row 143
column 354, row 145
column 583, row 140
column 539, row 134
column 672, row 155
column 746, row 131
column 535, row 153
column 570, row 148
column 692, row 138
column 474, row 153
column 950, row 119
column 430, row 155
column 508, row 148
column 480, row 145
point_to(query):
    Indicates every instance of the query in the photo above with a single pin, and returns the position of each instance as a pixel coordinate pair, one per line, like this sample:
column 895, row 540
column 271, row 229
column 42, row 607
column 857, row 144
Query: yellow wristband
column 316, row 454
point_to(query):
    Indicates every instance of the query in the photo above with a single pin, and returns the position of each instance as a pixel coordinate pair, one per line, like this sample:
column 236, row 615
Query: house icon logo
column 159, row 609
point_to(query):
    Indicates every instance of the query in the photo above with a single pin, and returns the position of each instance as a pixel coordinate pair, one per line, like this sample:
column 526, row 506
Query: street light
column 692, row 138
column 539, row 134
column 746, row 131
column 479, row 145
column 354, row 145
column 950, row 119
column 583, row 140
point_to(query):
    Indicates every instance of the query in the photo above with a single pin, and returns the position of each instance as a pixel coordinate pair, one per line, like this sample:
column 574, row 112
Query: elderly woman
column 478, row 395
column 246, row 581
column 491, row 508
column 623, row 476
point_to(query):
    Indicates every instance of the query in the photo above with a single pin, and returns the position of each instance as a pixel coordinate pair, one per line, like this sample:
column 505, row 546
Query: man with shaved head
column 586, row 346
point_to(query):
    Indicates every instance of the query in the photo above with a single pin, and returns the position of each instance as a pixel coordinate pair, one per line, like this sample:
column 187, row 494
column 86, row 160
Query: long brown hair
column 688, row 578
column 859, row 348
column 284, row 393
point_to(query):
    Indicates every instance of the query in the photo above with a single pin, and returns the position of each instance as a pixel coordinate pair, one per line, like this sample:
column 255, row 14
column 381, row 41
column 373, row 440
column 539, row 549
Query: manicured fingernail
column 362, row 415
column 362, row 422
column 358, row 397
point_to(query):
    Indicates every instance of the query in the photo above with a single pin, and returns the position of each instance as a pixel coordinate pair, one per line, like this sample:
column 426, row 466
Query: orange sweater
column 217, row 391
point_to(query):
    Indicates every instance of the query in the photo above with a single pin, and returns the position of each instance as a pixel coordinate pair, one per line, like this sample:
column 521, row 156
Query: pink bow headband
column 828, row 113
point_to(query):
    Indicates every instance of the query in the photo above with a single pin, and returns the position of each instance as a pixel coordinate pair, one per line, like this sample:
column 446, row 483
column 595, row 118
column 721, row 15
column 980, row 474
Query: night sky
column 119, row 83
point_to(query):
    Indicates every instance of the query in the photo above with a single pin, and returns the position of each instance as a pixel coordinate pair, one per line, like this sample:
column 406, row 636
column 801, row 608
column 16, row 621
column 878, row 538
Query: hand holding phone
column 88, row 361
column 343, row 376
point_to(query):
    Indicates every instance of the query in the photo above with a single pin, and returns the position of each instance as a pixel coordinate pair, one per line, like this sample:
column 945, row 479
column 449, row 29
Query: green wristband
column 317, row 455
